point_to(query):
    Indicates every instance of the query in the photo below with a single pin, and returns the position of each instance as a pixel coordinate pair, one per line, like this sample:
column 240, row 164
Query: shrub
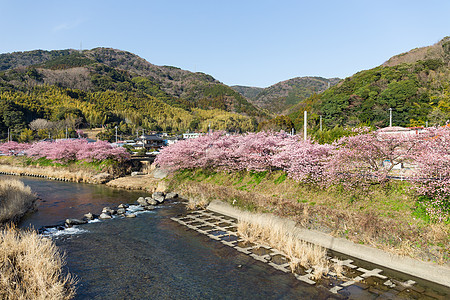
column 30, row 267
column 16, row 199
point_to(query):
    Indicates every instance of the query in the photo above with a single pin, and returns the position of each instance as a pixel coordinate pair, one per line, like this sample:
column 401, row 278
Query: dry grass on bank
column 30, row 267
column 380, row 220
column 16, row 199
column 274, row 232
column 51, row 172
column 196, row 199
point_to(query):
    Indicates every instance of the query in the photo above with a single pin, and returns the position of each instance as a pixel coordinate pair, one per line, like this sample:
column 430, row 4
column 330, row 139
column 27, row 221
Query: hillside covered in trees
column 108, row 87
column 278, row 98
column 416, row 85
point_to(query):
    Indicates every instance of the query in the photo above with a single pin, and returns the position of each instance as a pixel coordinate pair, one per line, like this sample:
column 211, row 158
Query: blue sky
column 254, row 43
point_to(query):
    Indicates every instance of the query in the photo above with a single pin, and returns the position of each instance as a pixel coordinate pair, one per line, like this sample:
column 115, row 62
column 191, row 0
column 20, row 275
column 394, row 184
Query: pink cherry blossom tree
column 368, row 159
column 13, row 148
column 432, row 181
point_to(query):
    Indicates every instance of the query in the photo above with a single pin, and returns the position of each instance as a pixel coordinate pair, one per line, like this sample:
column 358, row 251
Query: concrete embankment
column 146, row 182
column 424, row 270
column 55, row 173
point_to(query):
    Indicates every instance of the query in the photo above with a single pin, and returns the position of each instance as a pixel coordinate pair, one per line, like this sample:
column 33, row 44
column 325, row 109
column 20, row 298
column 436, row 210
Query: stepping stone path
column 356, row 280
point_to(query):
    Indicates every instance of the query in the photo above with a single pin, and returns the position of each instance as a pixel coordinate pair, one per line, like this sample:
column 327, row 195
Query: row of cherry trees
column 64, row 151
column 358, row 161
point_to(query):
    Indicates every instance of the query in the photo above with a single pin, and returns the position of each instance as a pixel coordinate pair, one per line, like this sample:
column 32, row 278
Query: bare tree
column 38, row 124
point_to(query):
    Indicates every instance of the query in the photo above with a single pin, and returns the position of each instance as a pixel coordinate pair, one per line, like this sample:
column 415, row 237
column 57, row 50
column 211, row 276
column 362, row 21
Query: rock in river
column 151, row 201
column 122, row 205
column 130, row 215
column 71, row 222
column 105, row 216
column 142, row 201
column 89, row 216
column 108, row 210
column 171, row 195
column 158, row 196
column 121, row 211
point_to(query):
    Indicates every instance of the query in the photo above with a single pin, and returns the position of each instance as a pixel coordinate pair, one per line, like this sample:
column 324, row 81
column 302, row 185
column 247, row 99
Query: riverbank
column 30, row 265
column 16, row 200
column 423, row 270
column 146, row 183
column 75, row 172
column 383, row 219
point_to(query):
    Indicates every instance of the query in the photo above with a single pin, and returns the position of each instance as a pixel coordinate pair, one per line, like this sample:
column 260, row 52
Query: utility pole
column 67, row 133
column 320, row 123
column 305, row 123
column 9, row 134
column 390, row 117
column 116, row 134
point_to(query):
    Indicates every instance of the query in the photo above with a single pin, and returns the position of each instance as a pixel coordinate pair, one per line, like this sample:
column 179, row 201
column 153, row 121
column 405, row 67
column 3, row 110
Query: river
column 151, row 256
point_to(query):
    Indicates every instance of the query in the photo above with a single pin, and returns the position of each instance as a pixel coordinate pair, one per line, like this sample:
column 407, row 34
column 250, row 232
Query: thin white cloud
column 67, row 25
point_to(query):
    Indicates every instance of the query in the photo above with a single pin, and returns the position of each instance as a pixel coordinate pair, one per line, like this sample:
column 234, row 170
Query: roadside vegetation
column 345, row 189
column 31, row 267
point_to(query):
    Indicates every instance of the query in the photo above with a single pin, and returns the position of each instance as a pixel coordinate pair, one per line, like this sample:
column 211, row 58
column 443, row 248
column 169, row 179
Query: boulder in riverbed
column 108, row 210
column 142, row 201
column 130, row 215
column 149, row 207
column 71, row 222
column 151, row 201
column 123, row 205
column 158, row 196
column 89, row 216
column 171, row 195
column 105, row 216
column 121, row 211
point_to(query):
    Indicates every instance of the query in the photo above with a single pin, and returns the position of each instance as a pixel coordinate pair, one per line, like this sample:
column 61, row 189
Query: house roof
column 393, row 129
column 150, row 138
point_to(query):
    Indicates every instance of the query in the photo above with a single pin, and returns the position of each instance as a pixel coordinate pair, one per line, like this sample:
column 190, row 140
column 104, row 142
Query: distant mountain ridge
column 198, row 89
column 278, row 98
column 108, row 87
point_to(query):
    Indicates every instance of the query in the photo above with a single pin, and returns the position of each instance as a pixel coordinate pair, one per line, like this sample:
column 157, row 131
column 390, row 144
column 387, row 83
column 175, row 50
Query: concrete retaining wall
column 427, row 271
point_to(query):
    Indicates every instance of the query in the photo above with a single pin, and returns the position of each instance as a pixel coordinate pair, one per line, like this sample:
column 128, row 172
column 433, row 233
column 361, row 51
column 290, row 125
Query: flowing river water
column 151, row 256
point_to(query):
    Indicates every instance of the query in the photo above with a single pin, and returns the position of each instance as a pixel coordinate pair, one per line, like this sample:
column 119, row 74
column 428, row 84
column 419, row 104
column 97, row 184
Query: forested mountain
column 103, row 69
column 108, row 87
column 281, row 96
column 416, row 85
column 249, row 92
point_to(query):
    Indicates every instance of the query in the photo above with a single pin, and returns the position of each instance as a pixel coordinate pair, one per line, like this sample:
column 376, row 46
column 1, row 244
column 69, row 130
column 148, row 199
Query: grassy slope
column 386, row 218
